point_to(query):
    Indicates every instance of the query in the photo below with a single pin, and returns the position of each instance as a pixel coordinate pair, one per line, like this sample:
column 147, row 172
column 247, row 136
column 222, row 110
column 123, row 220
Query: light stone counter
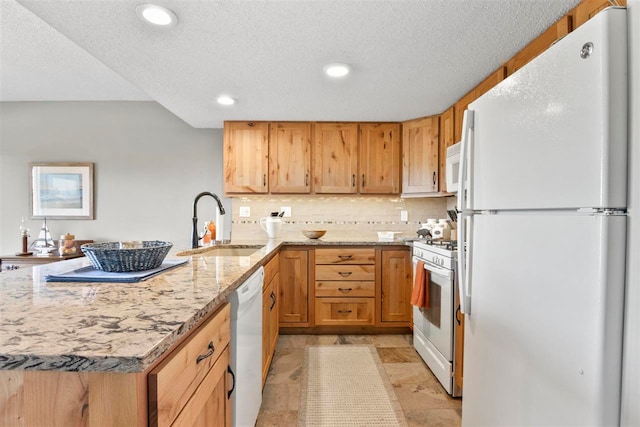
column 120, row 327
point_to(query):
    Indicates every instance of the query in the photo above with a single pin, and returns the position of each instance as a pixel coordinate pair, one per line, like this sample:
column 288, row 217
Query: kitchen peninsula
column 82, row 352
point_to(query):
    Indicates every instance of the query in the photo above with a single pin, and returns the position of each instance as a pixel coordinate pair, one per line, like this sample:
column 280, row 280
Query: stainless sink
column 227, row 250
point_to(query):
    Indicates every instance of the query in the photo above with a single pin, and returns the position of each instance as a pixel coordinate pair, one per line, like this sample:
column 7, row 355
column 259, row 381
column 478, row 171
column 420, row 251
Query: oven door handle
column 435, row 269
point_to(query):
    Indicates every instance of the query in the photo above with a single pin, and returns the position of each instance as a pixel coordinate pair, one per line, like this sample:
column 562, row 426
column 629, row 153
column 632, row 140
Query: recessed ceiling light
column 156, row 15
column 225, row 100
column 337, row 70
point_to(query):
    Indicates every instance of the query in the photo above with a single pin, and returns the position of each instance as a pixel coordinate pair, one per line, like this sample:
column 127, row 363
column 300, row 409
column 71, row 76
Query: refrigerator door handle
column 464, row 254
column 466, row 218
column 467, row 125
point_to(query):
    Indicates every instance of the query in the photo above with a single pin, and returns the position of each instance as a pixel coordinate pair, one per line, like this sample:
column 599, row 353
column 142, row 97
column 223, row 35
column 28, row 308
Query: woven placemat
column 346, row 386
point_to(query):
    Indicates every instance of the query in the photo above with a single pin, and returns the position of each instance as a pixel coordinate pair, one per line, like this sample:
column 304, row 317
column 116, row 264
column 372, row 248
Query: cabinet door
column 539, row 44
column 289, row 157
column 270, row 306
column 587, row 9
column 379, row 152
column 462, row 104
column 246, row 157
column 335, row 157
column 294, row 286
column 266, row 331
column 274, row 314
column 396, row 286
column 210, row 405
column 446, row 140
column 420, row 155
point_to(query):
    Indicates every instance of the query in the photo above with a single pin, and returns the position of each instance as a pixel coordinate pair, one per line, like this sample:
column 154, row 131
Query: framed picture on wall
column 62, row 190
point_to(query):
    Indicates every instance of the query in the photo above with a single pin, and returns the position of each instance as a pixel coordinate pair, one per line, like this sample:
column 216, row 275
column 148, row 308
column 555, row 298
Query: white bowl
column 387, row 236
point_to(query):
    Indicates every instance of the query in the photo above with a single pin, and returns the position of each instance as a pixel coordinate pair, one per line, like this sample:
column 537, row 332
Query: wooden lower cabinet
column 209, row 405
column 294, row 287
column 188, row 387
column 396, row 286
column 344, row 286
column 344, row 311
column 270, row 314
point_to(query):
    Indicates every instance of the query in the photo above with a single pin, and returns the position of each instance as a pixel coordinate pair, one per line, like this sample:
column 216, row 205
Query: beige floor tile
column 354, row 339
column 292, row 341
column 277, row 419
column 392, row 340
column 280, row 397
column 407, row 373
column 286, row 367
column 322, row 340
column 398, row 355
column 426, row 395
column 433, row 418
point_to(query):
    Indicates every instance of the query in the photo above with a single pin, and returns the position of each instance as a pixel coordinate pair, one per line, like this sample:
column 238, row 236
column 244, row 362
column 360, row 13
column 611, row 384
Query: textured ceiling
column 410, row 58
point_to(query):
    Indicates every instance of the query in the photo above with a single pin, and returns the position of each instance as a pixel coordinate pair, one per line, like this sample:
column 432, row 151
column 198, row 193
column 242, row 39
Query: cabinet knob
column 345, row 290
column 344, row 273
column 344, row 311
column 345, row 257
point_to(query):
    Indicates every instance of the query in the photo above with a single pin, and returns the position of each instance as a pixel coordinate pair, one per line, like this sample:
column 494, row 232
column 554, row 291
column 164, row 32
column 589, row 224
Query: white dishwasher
column 246, row 350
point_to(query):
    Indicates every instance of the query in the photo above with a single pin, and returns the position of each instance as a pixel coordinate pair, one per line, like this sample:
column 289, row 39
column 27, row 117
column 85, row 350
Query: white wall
column 149, row 166
column 631, row 361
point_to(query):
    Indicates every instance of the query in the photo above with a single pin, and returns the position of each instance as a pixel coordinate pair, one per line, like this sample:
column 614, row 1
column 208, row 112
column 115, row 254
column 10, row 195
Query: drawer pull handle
column 273, row 298
column 345, row 290
column 344, row 311
column 207, row 354
column 345, row 273
column 345, row 257
column 233, row 377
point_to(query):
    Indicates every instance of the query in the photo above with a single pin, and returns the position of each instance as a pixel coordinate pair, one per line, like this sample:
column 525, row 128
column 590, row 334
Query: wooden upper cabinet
column 379, row 153
column 540, row 44
column 335, row 149
column 446, row 140
column 290, row 157
column 482, row 88
column 420, row 155
column 246, row 157
column 587, row 9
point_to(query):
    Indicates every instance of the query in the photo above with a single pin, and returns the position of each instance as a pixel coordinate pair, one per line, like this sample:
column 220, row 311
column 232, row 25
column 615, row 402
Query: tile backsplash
column 352, row 214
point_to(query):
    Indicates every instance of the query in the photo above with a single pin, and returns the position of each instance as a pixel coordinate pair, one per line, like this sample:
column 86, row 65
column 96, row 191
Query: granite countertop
column 121, row 327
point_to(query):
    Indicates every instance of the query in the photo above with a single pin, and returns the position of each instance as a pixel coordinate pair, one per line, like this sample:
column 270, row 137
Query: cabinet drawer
column 345, row 289
column 344, row 311
column 346, row 256
column 209, row 405
column 345, row 272
column 271, row 269
column 174, row 380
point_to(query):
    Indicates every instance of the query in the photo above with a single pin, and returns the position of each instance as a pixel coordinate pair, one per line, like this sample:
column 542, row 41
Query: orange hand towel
column 420, row 296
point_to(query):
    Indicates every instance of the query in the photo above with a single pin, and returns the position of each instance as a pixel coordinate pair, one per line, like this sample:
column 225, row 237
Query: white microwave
column 452, row 167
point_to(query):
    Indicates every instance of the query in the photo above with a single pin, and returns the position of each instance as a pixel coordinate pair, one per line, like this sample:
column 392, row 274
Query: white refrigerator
column 543, row 203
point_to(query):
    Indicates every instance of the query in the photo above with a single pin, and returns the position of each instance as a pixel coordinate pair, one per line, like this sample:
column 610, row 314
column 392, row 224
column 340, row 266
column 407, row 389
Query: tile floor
column 423, row 400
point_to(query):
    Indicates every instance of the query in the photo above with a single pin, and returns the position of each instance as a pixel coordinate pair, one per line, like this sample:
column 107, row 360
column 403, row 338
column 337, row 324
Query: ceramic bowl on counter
column 313, row 234
column 122, row 257
column 387, row 236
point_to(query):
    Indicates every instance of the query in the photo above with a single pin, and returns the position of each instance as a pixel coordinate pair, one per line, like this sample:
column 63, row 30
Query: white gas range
column 433, row 327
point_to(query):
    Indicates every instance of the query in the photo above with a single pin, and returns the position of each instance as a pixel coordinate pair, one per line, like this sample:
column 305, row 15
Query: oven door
column 436, row 322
